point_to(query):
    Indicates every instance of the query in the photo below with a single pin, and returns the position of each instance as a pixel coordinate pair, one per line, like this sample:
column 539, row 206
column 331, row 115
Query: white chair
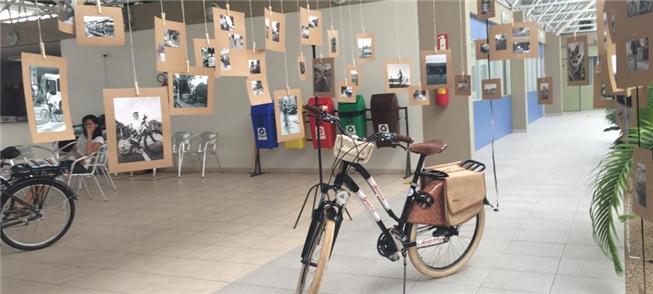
column 63, row 151
column 180, row 146
column 96, row 161
column 208, row 144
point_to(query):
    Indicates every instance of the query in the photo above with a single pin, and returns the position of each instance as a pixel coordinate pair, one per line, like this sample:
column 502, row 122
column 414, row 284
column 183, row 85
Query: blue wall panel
column 535, row 110
column 477, row 28
column 483, row 120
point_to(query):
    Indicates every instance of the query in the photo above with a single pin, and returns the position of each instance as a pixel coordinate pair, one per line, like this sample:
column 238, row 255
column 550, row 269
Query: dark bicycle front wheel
column 36, row 213
column 318, row 254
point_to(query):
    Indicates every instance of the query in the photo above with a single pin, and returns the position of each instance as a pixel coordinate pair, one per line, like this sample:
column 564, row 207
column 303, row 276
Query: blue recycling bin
column 265, row 130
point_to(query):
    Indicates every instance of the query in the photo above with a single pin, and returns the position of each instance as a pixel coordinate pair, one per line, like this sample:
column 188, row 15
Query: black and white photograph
column 47, row 99
column 364, row 46
column 236, row 41
column 276, row 31
column 99, row 26
column 227, row 23
column 637, row 55
column 139, row 128
column 419, row 95
column 521, row 32
column 305, row 33
column 501, row 42
column 171, row 38
column 576, row 61
column 302, row 67
column 346, row 91
column 521, row 47
column 313, row 21
column 208, row 57
column 190, row 91
column 485, row 6
column 353, row 76
column 267, row 28
column 288, row 115
column 436, row 69
column 398, row 75
column 333, row 44
column 225, row 61
column 257, row 88
column 254, row 66
column 161, row 52
column 66, row 10
column 638, row 7
column 462, row 84
column 490, row 89
column 323, row 77
column 640, row 184
column 544, row 91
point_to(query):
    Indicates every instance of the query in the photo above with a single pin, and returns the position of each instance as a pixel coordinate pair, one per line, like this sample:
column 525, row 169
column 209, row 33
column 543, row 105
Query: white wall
column 90, row 72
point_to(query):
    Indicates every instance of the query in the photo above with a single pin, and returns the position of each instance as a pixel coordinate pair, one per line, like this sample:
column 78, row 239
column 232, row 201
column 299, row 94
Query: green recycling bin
column 352, row 117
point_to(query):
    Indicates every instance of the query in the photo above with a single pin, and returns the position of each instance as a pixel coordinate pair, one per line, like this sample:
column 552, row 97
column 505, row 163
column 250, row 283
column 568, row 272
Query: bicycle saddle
column 429, row 147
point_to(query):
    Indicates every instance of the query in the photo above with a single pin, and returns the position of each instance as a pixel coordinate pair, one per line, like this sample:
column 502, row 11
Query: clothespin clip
column 187, row 66
column 42, row 46
column 574, row 36
column 253, row 46
column 228, row 9
column 138, row 90
column 208, row 41
column 99, row 6
column 163, row 19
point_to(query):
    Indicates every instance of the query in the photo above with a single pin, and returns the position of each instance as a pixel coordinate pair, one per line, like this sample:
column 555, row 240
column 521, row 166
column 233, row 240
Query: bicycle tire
column 324, row 235
column 458, row 263
column 11, row 190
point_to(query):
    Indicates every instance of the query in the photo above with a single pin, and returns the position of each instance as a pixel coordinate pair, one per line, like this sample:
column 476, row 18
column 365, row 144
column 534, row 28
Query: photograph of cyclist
column 397, row 75
column 138, row 128
column 46, row 98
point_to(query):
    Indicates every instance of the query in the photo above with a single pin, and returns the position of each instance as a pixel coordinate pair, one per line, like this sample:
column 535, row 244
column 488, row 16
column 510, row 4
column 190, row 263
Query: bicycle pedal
column 394, row 257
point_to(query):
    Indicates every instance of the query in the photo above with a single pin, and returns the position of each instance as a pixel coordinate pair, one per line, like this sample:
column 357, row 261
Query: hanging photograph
column 482, row 49
column 353, row 75
column 191, row 93
column 332, row 37
column 323, row 77
column 301, row 67
column 256, row 63
column 544, row 90
column 434, row 69
column 398, row 76
column 642, row 196
column 310, row 27
column 577, row 67
column 524, row 40
column 229, row 28
column 45, row 86
column 275, row 31
column 491, row 89
column 205, row 53
column 288, row 107
column 463, row 85
column 232, row 63
column 365, row 48
column 258, row 90
column 138, row 129
column 99, row 29
column 638, row 7
column 66, row 15
column 346, row 92
column 601, row 97
column 419, row 96
column 484, row 9
column 501, row 41
column 634, row 58
column 170, row 45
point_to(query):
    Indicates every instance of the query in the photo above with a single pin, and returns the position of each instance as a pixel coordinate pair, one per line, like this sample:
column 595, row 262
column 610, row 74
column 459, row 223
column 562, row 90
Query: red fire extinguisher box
column 327, row 130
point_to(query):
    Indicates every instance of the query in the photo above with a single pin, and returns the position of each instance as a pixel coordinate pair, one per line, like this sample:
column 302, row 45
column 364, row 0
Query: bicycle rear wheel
column 449, row 256
column 39, row 213
column 319, row 253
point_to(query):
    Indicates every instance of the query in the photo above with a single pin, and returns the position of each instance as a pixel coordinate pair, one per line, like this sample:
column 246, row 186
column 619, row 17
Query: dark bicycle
column 37, row 209
column 434, row 250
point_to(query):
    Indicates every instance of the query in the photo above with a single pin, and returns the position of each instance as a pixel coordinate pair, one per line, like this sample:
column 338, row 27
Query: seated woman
column 90, row 141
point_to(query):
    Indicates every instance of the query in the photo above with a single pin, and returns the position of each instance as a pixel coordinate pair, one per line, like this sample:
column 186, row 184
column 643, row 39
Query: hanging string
column 318, row 26
column 285, row 55
column 351, row 36
column 183, row 20
column 331, row 14
column 360, row 6
column 435, row 30
column 38, row 23
column 270, row 4
column 299, row 16
column 396, row 30
column 99, row 6
column 163, row 12
column 462, row 39
column 251, row 26
column 206, row 26
column 344, row 69
column 131, row 49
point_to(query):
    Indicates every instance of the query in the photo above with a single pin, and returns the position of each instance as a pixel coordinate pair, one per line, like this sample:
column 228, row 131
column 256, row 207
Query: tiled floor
column 231, row 233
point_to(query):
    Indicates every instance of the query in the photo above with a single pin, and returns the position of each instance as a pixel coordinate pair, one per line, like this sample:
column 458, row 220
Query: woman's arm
column 92, row 146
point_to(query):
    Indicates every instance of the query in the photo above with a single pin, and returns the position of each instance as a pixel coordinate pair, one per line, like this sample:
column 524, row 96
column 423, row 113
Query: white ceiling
column 558, row 16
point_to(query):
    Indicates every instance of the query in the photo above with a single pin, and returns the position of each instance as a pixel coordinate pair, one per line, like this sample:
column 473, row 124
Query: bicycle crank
column 387, row 247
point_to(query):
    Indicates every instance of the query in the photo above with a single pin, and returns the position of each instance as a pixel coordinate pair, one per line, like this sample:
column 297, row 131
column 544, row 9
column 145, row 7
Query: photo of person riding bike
column 46, row 98
column 139, row 128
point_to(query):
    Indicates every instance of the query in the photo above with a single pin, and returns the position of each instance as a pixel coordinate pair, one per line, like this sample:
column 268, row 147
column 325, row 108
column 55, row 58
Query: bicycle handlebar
column 405, row 139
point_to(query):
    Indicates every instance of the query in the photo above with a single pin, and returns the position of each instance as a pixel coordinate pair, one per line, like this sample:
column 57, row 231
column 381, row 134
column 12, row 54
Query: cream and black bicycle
column 436, row 250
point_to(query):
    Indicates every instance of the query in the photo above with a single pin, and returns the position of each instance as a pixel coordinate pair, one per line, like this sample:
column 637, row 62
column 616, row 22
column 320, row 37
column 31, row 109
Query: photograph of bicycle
column 438, row 228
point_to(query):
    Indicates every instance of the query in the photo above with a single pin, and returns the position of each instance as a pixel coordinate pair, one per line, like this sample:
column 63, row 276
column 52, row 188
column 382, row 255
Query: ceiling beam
column 571, row 17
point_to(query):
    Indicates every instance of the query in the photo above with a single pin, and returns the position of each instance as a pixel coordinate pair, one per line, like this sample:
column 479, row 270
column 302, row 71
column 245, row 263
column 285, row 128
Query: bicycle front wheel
column 319, row 252
column 448, row 256
column 36, row 213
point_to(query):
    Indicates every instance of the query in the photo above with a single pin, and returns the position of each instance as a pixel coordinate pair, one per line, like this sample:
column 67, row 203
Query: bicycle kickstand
column 403, row 253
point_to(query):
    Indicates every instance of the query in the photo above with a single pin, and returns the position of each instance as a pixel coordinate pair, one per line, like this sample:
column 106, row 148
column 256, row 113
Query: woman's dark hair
column 95, row 120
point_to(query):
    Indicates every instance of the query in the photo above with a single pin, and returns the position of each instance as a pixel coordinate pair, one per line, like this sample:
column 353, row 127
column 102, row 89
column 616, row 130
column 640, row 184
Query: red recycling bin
column 327, row 130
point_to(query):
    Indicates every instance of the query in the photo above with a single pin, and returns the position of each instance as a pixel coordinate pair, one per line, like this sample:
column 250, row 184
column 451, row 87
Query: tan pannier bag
column 459, row 196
